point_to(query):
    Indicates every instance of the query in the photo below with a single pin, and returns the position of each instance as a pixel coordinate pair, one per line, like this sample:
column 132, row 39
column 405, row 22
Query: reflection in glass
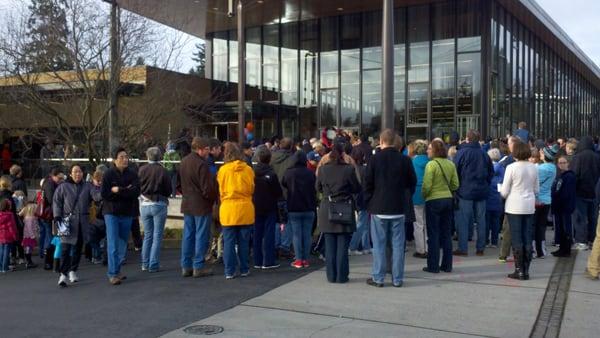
column 233, row 57
column 442, row 81
column 220, row 56
column 253, row 71
column 289, row 63
column 469, row 26
column 329, row 71
column 271, row 57
column 350, row 71
column 469, row 84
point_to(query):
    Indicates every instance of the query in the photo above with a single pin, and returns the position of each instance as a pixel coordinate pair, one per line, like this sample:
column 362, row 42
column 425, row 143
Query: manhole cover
column 203, row 330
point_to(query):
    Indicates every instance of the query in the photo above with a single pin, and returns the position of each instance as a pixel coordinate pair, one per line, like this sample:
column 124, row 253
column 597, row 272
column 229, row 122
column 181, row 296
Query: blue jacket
column 546, row 175
column 475, row 172
column 494, row 200
column 523, row 134
column 563, row 193
column 419, row 162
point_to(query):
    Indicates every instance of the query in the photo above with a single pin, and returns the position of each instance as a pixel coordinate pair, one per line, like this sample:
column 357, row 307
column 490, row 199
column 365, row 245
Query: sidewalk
column 475, row 300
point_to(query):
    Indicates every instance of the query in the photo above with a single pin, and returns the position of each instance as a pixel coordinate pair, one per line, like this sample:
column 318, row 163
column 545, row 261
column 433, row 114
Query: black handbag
column 341, row 211
column 455, row 200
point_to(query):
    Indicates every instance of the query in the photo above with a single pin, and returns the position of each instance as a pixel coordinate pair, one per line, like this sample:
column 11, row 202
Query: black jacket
column 390, row 181
column 48, row 189
column 586, row 166
column 563, row 193
column 267, row 190
column 299, row 181
column 363, row 151
column 338, row 181
column 155, row 183
column 18, row 184
column 123, row 203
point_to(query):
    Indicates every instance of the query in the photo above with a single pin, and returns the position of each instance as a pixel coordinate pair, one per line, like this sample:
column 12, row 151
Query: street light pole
column 241, row 70
column 387, row 92
column 115, row 65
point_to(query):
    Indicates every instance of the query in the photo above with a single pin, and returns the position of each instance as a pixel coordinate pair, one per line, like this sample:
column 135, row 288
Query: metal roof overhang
column 200, row 17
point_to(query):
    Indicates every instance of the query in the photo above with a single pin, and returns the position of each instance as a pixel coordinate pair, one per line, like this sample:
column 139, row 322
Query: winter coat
column 299, row 181
column 338, row 181
column 586, row 167
column 563, row 193
column 8, row 220
column 546, row 175
column 522, row 134
column 48, row 188
column 363, row 151
column 236, row 188
column 18, row 184
column 124, row 202
column 198, row 186
column 494, row 200
column 475, row 172
column 155, row 183
column 439, row 183
column 390, row 182
column 419, row 162
column 282, row 160
column 267, row 190
column 75, row 199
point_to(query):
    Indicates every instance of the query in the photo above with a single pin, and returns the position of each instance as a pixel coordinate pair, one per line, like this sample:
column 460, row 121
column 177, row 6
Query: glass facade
column 327, row 72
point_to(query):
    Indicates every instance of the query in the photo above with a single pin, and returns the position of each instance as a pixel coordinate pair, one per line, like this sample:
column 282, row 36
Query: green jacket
column 434, row 184
column 171, row 156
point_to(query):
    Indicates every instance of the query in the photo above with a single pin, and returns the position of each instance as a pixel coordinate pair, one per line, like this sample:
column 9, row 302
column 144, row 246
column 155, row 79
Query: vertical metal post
column 387, row 119
column 241, row 69
column 115, row 65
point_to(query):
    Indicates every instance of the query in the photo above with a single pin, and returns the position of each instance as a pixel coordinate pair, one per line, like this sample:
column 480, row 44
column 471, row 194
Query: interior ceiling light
column 340, row 9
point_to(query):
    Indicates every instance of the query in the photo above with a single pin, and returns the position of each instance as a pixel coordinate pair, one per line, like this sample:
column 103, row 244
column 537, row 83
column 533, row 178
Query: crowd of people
column 261, row 205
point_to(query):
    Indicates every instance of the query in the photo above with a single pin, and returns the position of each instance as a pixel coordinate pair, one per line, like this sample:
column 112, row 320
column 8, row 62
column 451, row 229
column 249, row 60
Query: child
column 19, row 199
column 17, row 252
column 55, row 243
column 8, row 233
column 30, row 230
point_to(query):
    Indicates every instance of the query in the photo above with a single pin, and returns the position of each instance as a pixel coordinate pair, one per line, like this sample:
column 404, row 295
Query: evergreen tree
column 140, row 61
column 200, row 58
column 47, row 32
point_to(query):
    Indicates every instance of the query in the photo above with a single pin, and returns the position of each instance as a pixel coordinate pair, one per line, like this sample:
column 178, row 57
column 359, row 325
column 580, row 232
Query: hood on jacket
column 262, row 169
column 300, row 159
column 236, row 166
column 280, row 156
column 586, row 143
column 454, row 138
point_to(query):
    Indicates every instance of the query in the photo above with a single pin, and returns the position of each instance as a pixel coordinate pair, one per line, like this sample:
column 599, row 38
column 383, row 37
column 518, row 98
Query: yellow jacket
column 236, row 186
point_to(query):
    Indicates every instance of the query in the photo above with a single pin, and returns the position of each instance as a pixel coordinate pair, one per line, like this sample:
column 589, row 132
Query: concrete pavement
column 475, row 300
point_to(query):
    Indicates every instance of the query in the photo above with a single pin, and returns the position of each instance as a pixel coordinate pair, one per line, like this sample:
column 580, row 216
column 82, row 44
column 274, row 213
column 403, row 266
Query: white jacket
column 519, row 188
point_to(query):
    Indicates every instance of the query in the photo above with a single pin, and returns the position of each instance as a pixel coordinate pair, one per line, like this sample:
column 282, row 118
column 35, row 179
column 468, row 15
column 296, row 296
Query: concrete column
column 387, row 69
column 241, row 69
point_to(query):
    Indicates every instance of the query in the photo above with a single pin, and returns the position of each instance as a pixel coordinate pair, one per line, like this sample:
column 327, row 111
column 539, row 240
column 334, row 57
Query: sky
column 578, row 18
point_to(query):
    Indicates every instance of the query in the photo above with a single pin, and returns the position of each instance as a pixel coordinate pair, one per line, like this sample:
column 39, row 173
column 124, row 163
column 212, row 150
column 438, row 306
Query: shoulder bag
column 455, row 200
column 63, row 227
column 341, row 211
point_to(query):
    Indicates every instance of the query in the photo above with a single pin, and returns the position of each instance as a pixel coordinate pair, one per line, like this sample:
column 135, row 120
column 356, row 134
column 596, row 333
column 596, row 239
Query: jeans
column 439, row 214
column 173, row 179
column 194, row 243
column 584, row 220
column 336, row 257
column 45, row 235
column 263, row 243
column 283, row 239
column 301, row 223
column 70, row 255
column 117, row 235
column 539, row 225
column 4, row 257
column 469, row 211
column 521, row 231
column 153, row 217
column 381, row 229
column 240, row 236
column 361, row 239
column 492, row 221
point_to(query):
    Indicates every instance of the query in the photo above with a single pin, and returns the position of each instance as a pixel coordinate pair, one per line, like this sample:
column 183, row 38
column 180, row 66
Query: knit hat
column 550, row 152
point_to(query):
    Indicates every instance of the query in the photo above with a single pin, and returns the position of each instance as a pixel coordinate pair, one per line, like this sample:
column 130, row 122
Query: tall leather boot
column 518, row 274
column 49, row 257
column 527, row 257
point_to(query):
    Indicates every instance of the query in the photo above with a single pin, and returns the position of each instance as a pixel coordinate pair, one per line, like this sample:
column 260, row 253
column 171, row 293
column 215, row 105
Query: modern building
column 457, row 64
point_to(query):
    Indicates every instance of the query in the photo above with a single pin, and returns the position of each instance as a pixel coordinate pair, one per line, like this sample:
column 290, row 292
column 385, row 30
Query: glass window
column 469, row 83
column 309, row 46
column 418, row 72
column 329, row 62
column 271, row 57
column 400, row 69
column 253, row 71
column 289, row 63
column 371, row 73
column 350, row 71
column 442, row 70
column 469, row 25
column 233, row 57
column 220, row 56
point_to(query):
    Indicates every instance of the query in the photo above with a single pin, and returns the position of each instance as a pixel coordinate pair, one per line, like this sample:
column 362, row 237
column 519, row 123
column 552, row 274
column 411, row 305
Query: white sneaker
column 73, row 277
column 581, row 246
column 62, row 280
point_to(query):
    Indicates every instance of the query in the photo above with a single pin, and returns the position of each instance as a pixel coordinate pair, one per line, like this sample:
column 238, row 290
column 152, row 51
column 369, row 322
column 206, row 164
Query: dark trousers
column 70, row 255
column 264, row 240
column 336, row 257
column 136, row 233
column 564, row 230
column 438, row 214
column 521, row 231
column 539, row 223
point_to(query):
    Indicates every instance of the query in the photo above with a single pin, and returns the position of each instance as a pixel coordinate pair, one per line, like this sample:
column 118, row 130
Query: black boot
column 518, row 274
column 49, row 257
column 57, row 265
column 29, row 263
column 527, row 256
column 565, row 248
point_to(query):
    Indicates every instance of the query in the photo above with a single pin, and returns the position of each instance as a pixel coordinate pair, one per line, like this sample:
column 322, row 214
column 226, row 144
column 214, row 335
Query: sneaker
column 367, row 252
column 494, row 246
column 355, row 253
column 269, row 267
column 581, row 246
column 96, row 261
column 21, row 261
column 305, row 263
column 397, row 285
column 114, row 281
column 73, row 278
column 245, row 274
column 259, row 267
column 502, row 259
column 121, row 277
column 229, row 276
column 204, row 272
column 62, row 281
column 144, row 268
column 420, row 255
column 371, row 282
column 297, row 264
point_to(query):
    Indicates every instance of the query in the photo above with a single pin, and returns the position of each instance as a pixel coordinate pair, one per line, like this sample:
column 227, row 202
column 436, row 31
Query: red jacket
column 6, row 159
column 8, row 227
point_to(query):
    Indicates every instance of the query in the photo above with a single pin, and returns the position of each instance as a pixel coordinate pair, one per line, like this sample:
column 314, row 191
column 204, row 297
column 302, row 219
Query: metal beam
column 115, row 66
column 241, row 69
column 387, row 92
